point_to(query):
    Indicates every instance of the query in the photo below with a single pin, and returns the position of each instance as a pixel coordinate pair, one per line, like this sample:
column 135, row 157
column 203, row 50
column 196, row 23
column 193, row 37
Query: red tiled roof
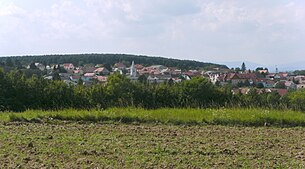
column 281, row 92
column 102, row 78
column 89, row 74
column 99, row 69
column 119, row 65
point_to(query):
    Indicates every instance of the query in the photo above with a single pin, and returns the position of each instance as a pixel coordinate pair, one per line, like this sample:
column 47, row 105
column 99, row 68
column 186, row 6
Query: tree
column 108, row 67
column 119, row 90
column 9, row 62
column 247, row 83
column 170, row 82
column 237, row 69
column 33, row 66
column 142, row 79
column 259, row 68
column 56, row 76
column 243, row 67
column 260, row 85
column 83, row 59
column 80, row 82
column 280, row 85
column 18, row 64
column 297, row 99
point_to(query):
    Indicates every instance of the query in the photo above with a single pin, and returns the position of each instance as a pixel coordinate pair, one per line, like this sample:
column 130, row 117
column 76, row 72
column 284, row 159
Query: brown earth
column 73, row 145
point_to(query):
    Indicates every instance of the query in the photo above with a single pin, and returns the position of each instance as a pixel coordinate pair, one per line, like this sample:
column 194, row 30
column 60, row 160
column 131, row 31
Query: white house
column 68, row 66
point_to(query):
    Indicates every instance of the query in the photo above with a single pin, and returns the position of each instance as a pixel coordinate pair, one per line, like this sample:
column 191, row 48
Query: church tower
column 133, row 70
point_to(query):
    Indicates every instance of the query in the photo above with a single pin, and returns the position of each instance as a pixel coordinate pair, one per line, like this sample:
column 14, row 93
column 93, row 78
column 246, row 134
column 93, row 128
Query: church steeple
column 133, row 71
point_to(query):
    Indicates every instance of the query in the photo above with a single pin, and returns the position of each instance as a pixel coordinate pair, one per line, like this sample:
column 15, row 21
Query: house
column 264, row 71
column 37, row 65
column 101, row 71
column 120, row 66
column 75, row 78
column 48, row 67
column 176, row 71
column 281, row 92
column 68, row 66
column 246, row 90
column 301, row 86
column 266, row 82
column 89, row 75
column 121, row 72
column 64, row 76
column 78, row 72
column 157, row 67
column 40, row 66
column 236, row 78
column 102, row 79
column 176, row 80
column 290, row 85
column 193, row 73
column 274, row 76
column 166, row 72
column 138, row 66
column 186, row 77
column 88, row 69
column 300, row 79
column 99, row 65
column 158, row 78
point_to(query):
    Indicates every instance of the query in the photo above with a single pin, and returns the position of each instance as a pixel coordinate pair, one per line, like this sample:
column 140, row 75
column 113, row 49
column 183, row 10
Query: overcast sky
column 262, row 31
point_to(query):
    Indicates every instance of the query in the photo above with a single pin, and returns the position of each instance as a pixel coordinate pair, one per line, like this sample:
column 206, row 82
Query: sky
column 260, row 31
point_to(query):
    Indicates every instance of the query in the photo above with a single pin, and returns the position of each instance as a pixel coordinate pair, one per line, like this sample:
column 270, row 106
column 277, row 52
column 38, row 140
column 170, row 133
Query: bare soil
column 74, row 145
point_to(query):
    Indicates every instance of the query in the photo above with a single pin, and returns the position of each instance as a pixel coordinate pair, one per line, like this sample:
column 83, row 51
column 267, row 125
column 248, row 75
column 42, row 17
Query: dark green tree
column 260, row 85
column 243, row 67
column 56, row 76
column 9, row 62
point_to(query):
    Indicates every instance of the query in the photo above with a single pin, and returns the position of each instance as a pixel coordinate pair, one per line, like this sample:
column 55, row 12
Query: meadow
column 162, row 138
column 238, row 116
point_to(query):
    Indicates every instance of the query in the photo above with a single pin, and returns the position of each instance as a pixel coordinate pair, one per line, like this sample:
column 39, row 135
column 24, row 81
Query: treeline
column 81, row 59
column 18, row 93
column 299, row 72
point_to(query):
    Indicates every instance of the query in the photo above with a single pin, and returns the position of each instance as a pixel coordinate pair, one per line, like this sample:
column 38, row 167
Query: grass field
column 163, row 138
column 243, row 117
column 117, row 145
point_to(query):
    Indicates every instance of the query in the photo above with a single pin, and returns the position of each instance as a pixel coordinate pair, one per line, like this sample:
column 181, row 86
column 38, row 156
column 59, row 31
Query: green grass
column 244, row 117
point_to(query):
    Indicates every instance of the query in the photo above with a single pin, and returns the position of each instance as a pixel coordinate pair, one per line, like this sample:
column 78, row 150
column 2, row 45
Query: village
column 241, row 80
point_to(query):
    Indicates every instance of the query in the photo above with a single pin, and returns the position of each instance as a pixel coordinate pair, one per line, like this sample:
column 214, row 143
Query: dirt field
column 72, row 145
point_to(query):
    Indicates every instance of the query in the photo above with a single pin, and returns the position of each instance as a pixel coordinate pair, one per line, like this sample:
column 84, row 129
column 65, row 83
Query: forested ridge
column 81, row 59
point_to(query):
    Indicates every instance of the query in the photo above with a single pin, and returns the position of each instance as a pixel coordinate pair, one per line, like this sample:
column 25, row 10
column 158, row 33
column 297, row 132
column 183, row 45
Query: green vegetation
column 19, row 93
column 299, row 72
column 243, row 117
column 74, row 145
column 107, row 59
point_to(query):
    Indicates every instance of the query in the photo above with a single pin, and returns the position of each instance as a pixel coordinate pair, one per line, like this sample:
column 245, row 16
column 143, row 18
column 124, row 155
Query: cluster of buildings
column 89, row 75
column 280, row 82
column 241, row 81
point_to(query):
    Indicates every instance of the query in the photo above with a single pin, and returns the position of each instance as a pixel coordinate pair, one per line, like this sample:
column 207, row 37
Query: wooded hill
column 81, row 59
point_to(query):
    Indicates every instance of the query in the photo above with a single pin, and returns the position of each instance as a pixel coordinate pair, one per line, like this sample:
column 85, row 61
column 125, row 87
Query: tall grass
column 238, row 116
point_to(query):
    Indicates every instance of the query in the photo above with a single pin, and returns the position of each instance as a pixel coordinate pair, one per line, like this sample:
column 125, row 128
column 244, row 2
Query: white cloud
column 213, row 30
column 11, row 10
